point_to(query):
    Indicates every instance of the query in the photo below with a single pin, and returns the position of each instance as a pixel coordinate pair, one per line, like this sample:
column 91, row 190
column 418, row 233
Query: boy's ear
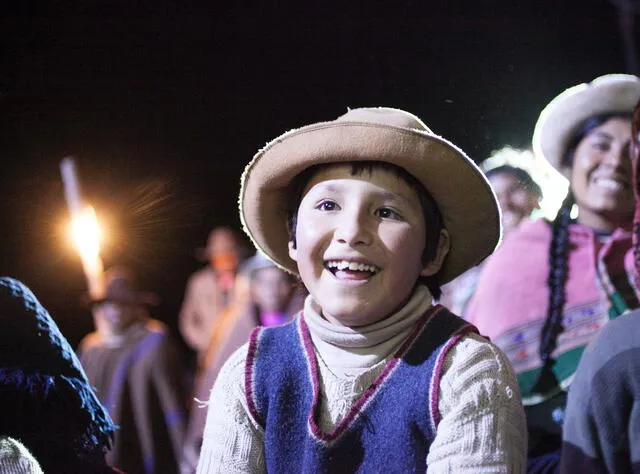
column 433, row 266
column 293, row 252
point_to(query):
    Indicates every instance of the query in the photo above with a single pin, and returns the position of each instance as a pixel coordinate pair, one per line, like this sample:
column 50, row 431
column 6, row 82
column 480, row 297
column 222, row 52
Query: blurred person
column 46, row 401
column 518, row 196
column 137, row 370
column 602, row 423
column 551, row 286
column 211, row 289
column 266, row 296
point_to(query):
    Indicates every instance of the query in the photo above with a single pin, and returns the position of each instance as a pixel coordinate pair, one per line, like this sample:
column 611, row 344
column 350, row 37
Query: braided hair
column 558, row 262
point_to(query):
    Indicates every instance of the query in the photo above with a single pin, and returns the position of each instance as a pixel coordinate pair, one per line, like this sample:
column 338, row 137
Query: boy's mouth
column 351, row 268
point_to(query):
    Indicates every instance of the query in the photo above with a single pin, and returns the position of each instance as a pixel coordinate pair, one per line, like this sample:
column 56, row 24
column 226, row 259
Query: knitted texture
column 482, row 427
column 283, row 383
column 15, row 458
column 43, row 389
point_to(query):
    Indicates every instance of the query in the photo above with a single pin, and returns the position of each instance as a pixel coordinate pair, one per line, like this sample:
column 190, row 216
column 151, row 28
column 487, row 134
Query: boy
column 374, row 212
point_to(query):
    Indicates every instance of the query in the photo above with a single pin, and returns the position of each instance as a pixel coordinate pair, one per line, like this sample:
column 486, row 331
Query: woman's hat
column 561, row 118
column 464, row 196
column 122, row 287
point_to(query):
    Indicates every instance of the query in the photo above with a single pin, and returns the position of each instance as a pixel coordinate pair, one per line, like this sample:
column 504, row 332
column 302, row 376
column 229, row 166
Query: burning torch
column 86, row 232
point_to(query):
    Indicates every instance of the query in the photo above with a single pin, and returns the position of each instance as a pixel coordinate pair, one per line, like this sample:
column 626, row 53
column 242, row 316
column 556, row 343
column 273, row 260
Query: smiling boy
column 374, row 212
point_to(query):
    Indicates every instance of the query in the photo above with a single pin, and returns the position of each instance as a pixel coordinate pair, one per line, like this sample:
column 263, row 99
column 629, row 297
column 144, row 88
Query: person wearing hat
column 137, row 370
column 518, row 195
column 550, row 288
column 371, row 376
column 47, row 404
column 210, row 290
column 602, row 423
column 266, row 295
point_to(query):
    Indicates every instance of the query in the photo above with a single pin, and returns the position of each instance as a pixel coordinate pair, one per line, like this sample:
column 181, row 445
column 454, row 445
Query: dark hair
column 558, row 260
column 434, row 222
column 523, row 178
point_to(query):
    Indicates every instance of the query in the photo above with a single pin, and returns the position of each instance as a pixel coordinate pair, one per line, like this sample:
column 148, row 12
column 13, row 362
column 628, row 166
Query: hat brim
column 143, row 298
column 464, row 196
column 561, row 118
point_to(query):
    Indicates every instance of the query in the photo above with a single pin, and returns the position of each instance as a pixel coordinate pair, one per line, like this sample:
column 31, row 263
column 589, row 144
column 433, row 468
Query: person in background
column 371, row 376
column 551, row 286
column 137, row 370
column 46, row 402
column 518, row 195
column 266, row 296
column 211, row 289
column 602, row 423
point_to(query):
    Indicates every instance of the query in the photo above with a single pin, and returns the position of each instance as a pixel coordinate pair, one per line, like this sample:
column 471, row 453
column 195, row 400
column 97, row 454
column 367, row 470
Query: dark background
column 163, row 103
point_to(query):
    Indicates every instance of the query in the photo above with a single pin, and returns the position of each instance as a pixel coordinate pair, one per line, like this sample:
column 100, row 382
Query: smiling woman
column 547, row 292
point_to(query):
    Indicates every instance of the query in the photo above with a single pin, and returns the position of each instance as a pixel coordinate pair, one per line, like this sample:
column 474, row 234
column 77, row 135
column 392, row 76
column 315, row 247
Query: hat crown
column 387, row 116
column 121, row 287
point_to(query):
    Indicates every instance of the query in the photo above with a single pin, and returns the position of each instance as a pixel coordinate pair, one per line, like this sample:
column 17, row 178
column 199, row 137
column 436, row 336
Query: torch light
column 86, row 232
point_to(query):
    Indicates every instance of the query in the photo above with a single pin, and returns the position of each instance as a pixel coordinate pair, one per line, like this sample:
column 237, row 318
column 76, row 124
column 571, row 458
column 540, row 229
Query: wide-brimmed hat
column 121, row 286
column 561, row 118
column 464, row 196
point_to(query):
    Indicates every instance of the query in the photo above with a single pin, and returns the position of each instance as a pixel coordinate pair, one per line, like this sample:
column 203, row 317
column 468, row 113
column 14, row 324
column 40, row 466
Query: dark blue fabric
column 391, row 433
column 45, row 396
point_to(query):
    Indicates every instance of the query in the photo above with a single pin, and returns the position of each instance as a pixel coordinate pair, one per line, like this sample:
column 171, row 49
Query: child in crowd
column 374, row 212
column 551, row 287
column 602, row 424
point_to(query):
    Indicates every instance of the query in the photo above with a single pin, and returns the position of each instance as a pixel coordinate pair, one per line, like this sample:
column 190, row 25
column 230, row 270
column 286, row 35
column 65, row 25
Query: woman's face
column 601, row 176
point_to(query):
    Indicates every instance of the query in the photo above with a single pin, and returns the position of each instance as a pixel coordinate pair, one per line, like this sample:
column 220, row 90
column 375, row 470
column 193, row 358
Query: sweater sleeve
column 482, row 427
column 233, row 442
column 601, row 431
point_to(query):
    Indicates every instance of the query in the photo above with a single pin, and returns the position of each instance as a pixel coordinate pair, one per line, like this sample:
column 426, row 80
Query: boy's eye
column 327, row 206
column 387, row 213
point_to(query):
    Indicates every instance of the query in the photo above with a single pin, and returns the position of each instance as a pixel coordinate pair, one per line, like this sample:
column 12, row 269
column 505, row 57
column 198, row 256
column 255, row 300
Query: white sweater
column 482, row 427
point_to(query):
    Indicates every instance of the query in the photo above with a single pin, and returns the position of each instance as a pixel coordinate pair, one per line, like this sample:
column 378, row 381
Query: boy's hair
column 433, row 220
column 559, row 255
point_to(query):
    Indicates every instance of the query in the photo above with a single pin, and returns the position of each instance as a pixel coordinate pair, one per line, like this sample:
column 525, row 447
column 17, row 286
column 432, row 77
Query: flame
column 86, row 233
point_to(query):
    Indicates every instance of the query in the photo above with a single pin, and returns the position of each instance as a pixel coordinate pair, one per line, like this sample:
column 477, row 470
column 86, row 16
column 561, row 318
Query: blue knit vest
column 390, row 427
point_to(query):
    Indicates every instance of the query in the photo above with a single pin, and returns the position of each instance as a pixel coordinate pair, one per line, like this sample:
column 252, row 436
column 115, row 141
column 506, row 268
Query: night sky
column 163, row 104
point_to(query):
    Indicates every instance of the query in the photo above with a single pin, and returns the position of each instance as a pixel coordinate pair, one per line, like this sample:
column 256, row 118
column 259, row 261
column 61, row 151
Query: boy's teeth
column 353, row 266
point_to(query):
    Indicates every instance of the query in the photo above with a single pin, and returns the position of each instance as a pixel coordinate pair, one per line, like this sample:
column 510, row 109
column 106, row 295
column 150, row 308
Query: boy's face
column 359, row 243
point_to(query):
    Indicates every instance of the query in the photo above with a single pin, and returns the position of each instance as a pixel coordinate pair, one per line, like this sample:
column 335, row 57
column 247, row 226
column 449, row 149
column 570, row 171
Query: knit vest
column 390, row 427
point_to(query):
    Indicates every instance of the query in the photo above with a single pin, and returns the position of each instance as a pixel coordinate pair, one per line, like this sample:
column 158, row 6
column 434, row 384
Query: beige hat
column 560, row 119
column 464, row 196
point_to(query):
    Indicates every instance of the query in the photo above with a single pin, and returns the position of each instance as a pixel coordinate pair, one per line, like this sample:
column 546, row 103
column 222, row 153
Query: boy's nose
column 352, row 230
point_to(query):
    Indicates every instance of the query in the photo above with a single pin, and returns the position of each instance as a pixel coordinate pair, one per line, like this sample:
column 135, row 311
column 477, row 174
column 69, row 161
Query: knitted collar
column 365, row 345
